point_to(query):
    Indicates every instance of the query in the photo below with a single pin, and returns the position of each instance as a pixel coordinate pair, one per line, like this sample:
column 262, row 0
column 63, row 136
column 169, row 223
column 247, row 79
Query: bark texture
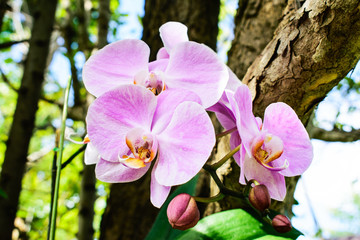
column 255, row 23
column 129, row 213
column 200, row 16
column 23, row 122
column 313, row 48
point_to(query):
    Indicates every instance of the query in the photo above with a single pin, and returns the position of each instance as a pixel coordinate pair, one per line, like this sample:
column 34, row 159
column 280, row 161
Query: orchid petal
column 196, row 67
column 111, row 116
column 173, row 33
column 281, row 120
column 235, row 141
column 114, row 172
column 162, row 54
column 158, row 192
column 91, row 155
column 184, row 145
column 241, row 105
column 167, row 103
column 158, row 65
column 234, row 82
column 115, row 64
column 274, row 181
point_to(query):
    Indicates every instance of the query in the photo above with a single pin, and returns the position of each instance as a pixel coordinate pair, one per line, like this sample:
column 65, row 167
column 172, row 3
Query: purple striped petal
column 185, row 145
column 196, row 67
column 173, row 33
column 281, row 120
column 158, row 192
column 115, row 64
column 111, row 116
column 115, row 172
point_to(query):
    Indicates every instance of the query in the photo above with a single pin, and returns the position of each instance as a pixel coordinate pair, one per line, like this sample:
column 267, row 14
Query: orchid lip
column 142, row 149
column 154, row 81
column 267, row 148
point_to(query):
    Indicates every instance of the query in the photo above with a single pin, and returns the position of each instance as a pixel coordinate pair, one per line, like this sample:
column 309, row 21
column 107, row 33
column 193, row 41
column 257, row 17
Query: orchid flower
column 185, row 65
column 278, row 147
column 129, row 127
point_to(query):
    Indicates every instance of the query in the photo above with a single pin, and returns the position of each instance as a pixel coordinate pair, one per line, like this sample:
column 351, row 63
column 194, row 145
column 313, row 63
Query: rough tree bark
column 313, row 48
column 24, row 116
column 129, row 213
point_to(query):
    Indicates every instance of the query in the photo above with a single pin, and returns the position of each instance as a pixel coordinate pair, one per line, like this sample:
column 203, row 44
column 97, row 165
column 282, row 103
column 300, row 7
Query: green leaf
column 161, row 228
column 236, row 224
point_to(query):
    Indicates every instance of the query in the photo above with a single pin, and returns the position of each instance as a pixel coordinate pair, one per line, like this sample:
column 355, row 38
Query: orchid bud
column 281, row 224
column 259, row 197
column 183, row 212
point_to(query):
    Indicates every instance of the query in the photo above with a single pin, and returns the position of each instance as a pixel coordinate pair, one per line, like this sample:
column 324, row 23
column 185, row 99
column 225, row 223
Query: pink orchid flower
column 184, row 65
column 129, row 127
column 279, row 147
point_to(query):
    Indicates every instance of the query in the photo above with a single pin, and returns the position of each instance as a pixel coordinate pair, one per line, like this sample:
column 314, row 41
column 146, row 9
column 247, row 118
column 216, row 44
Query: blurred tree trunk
column 129, row 213
column 313, row 48
column 24, row 116
column 88, row 180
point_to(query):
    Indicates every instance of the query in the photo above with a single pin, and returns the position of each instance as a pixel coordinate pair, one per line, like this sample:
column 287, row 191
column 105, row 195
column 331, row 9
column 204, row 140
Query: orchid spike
column 129, row 127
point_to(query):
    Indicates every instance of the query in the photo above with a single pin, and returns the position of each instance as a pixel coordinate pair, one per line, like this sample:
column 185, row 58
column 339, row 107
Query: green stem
column 221, row 186
column 58, row 162
column 226, row 132
column 225, row 158
column 215, row 198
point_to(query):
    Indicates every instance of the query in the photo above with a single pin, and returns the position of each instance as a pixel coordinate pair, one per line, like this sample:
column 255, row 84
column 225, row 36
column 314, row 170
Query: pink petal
column 233, row 82
column 158, row 65
column 274, row 181
column 115, row 64
column 114, row 172
column 241, row 105
column 173, row 33
column 185, row 145
column 111, row 116
column 223, row 112
column 281, row 120
column 168, row 101
column 162, row 54
column 91, row 155
column 158, row 192
column 196, row 67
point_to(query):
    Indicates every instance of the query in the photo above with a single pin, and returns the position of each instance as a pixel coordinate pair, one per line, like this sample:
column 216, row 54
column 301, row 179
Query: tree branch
column 335, row 135
column 9, row 44
column 6, row 80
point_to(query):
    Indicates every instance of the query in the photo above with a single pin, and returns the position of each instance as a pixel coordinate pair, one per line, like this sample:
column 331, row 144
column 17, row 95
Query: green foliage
column 234, row 224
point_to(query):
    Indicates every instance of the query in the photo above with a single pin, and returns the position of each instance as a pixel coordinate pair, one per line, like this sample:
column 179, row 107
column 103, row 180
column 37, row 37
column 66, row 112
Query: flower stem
column 225, row 158
column 226, row 132
column 215, row 198
column 221, row 186
column 58, row 162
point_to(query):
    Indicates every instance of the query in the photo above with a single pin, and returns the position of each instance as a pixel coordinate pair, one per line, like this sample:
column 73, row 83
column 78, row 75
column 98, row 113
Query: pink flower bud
column 183, row 212
column 281, row 224
column 259, row 197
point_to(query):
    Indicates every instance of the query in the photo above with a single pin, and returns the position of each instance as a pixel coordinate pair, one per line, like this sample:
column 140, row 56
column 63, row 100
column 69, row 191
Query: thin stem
column 225, row 158
column 80, row 150
column 58, row 162
column 226, row 132
column 221, row 186
column 215, row 198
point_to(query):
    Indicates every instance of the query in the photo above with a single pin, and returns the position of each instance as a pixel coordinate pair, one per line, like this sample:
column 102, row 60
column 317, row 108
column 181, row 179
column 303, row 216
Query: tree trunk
column 88, row 180
column 24, row 116
column 313, row 48
column 129, row 213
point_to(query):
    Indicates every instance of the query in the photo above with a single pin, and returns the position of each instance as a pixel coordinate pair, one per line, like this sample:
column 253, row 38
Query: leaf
column 236, row 224
column 161, row 228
